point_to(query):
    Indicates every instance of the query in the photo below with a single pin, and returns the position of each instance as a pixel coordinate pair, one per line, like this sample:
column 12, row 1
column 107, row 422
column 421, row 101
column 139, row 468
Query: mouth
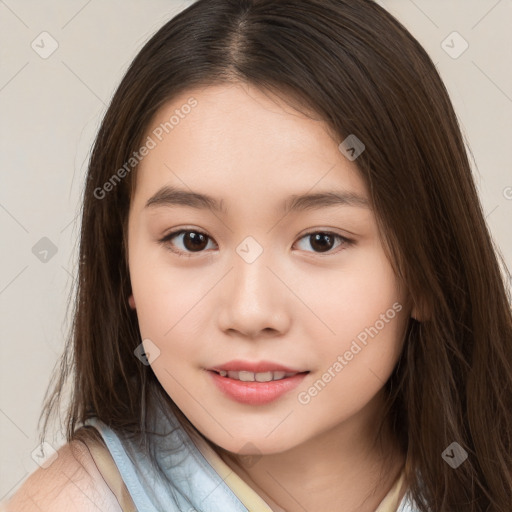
column 247, row 376
column 255, row 388
column 253, row 371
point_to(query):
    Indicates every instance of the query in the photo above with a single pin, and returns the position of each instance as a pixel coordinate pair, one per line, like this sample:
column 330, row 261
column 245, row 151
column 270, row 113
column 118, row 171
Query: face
column 307, row 287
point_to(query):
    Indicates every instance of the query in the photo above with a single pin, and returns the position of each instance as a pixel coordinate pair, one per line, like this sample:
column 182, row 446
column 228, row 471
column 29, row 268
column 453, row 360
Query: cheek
column 363, row 321
column 354, row 365
column 351, row 299
column 168, row 309
column 166, row 295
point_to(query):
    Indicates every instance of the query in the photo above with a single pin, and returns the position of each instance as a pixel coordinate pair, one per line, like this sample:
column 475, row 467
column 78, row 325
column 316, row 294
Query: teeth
column 245, row 376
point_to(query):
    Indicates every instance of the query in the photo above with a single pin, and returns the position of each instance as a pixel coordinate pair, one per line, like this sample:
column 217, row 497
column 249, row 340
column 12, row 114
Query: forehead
column 235, row 138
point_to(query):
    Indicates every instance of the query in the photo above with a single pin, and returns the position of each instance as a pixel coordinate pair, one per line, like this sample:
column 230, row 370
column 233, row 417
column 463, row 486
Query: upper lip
column 255, row 367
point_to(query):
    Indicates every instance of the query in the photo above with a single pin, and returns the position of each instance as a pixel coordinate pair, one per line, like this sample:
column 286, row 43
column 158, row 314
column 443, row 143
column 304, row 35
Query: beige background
column 51, row 109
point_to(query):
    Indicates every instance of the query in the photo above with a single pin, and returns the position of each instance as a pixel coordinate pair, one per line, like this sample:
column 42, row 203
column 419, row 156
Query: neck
column 344, row 465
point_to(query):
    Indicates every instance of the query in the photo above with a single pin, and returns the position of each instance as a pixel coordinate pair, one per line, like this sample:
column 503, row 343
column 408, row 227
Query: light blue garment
column 181, row 479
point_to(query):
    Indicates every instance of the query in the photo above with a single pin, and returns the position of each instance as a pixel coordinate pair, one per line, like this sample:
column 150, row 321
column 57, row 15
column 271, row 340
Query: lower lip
column 256, row 393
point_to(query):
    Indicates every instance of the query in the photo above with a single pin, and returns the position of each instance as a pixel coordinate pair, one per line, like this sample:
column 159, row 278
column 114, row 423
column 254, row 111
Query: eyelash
column 167, row 238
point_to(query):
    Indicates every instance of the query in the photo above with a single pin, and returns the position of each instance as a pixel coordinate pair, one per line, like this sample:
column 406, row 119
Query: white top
column 184, row 474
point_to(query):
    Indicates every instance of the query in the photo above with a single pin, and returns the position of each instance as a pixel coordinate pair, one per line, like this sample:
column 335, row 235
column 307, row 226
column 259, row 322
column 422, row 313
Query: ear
column 131, row 301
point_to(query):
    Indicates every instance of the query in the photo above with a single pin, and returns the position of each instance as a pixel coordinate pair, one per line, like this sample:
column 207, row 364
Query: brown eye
column 323, row 241
column 191, row 241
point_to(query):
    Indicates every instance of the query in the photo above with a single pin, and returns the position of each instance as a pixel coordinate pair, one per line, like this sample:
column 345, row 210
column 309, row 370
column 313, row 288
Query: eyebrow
column 170, row 196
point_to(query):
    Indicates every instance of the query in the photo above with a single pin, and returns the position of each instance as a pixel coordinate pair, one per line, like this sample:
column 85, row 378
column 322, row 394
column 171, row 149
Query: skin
column 294, row 304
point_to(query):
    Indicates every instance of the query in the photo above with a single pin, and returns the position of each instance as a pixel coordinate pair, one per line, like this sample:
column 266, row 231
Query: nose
column 254, row 300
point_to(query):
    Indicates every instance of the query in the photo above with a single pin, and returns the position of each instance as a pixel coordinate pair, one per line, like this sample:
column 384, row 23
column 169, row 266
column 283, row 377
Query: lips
column 255, row 393
column 254, row 367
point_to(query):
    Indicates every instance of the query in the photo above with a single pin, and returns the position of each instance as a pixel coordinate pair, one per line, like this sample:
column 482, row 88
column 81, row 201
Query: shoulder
column 71, row 482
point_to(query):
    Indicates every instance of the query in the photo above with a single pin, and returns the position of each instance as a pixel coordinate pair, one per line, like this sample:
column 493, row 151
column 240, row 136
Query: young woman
column 288, row 296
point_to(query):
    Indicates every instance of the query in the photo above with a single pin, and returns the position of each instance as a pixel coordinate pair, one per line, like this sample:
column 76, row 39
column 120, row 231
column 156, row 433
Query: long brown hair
column 363, row 73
